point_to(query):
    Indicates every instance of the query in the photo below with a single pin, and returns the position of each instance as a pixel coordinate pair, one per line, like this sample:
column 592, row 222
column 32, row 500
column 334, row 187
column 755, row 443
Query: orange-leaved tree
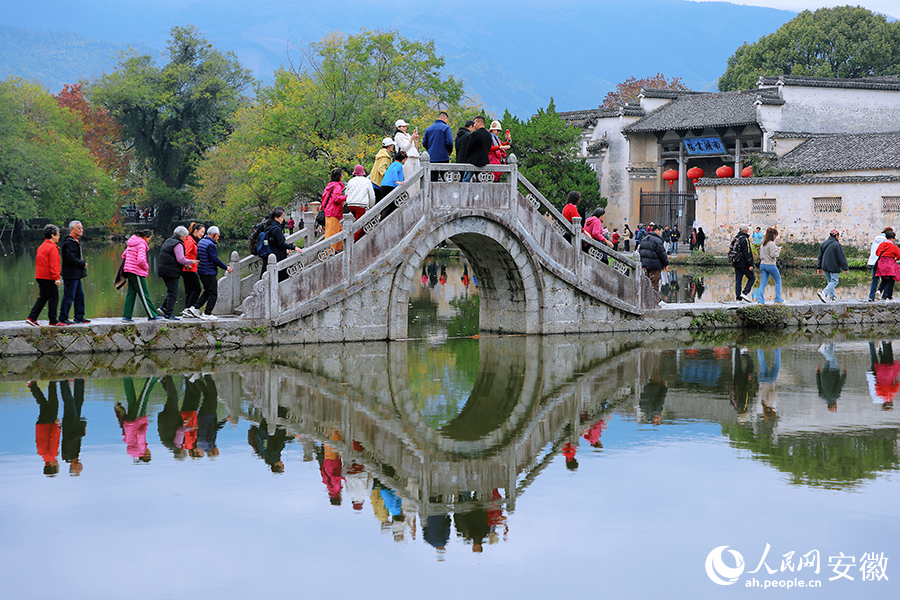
column 628, row 90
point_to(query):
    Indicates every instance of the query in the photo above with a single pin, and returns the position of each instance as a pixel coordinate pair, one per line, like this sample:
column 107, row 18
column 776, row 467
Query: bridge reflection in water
column 530, row 397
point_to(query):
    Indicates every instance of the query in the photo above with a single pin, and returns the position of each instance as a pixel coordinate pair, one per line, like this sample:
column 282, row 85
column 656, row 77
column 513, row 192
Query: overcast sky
column 887, row 7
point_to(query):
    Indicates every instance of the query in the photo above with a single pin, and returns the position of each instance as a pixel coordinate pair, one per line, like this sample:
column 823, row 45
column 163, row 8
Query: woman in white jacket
column 409, row 144
column 360, row 195
column 873, row 261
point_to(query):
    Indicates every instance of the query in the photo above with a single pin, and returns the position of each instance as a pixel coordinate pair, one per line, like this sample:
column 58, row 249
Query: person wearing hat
column 743, row 264
column 360, row 196
column 407, row 143
column 383, row 160
column 439, row 142
column 832, row 261
column 498, row 147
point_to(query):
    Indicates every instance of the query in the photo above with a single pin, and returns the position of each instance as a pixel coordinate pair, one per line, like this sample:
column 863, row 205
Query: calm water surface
column 496, row 467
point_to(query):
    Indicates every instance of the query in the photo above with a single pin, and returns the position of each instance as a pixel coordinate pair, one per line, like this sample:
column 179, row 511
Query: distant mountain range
column 513, row 55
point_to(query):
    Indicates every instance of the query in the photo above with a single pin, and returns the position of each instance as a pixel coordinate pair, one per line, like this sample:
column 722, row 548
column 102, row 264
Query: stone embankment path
column 113, row 335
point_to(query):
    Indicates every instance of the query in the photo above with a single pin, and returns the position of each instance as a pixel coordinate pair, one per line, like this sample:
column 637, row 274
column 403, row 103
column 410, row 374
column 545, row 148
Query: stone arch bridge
column 536, row 272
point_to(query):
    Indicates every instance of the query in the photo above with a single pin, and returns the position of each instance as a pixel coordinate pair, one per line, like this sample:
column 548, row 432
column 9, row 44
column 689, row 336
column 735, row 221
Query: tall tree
column 545, row 148
column 628, row 90
column 846, row 41
column 330, row 110
column 173, row 114
column 45, row 171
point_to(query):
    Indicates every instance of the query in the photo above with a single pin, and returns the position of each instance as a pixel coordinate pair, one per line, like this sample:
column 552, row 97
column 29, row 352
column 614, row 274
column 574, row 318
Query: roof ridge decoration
column 880, row 82
column 844, row 152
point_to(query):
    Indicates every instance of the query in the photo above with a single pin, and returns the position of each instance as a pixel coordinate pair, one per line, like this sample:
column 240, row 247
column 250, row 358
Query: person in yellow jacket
column 383, row 160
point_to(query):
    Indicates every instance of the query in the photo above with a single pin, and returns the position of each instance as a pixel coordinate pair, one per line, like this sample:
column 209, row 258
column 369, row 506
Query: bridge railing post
column 638, row 272
column 234, row 278
column 272, row 270
column 576, row 247
column 347, row 224
column 513, row 186
column 427, row 203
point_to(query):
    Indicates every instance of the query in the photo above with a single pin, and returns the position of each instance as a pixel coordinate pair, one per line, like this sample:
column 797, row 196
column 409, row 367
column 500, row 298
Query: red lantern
column 695, row 173
column 747, row 172
column 724, row 172
column 671, row 176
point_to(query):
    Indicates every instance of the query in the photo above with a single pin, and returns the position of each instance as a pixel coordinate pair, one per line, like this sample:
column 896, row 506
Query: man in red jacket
column 47, row 273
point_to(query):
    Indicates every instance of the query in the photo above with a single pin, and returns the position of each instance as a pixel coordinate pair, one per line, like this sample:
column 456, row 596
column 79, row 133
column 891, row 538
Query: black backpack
column 253, row 240
column 734, row 251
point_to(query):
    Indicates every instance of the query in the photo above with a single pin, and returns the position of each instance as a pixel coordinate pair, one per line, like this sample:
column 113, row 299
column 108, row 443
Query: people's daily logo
column 721, row 573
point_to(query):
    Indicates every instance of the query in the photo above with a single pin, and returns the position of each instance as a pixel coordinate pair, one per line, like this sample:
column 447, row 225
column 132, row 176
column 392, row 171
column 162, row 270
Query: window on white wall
column 763, row 206
column 823, row 204
column 890, row 204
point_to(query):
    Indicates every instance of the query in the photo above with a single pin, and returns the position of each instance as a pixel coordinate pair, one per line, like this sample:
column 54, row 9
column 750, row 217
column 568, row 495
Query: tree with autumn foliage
column 630, row 89
column 45, row 170
column 101, row 134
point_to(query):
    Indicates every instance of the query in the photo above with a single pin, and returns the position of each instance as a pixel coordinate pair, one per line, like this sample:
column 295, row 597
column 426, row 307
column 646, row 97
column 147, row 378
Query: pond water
column 498, row 467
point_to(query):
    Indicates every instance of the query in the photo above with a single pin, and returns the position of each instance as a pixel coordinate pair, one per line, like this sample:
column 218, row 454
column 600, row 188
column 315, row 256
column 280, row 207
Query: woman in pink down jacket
column 333, row 199
column 136, row 270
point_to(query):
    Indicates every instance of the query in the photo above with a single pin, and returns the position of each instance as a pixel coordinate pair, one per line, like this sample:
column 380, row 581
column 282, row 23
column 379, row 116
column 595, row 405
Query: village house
column 834, row 141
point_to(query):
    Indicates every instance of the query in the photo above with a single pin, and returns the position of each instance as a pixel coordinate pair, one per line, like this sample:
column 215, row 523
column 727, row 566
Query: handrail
column 374, row 213
column 559, row 219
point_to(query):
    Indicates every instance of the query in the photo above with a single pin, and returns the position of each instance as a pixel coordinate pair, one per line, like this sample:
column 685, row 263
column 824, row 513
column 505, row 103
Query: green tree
column 45, row 170
column 846, row 41
column 546, row 150
column 173, row 114
column 330, row 110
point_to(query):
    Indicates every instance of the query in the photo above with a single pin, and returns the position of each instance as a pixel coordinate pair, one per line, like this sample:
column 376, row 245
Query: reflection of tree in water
column 465, row 321
column 826, row 460
column 441, row 378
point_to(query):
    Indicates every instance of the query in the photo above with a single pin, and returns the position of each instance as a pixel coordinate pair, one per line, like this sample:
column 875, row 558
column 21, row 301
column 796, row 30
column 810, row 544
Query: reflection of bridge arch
column 509, row 277
column 556, row 386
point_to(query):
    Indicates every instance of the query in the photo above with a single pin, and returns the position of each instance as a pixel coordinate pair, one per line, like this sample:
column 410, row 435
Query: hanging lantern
column 724, row 172
column 671, row 176
column 695, row 173
column 747, row 172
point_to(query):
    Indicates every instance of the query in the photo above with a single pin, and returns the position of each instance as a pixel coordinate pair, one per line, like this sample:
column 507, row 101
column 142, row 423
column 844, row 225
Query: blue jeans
column 769, row 271
column 767, row 374
column 875, row 280
column 832, row 279
column 72, row 292
column 467, row 176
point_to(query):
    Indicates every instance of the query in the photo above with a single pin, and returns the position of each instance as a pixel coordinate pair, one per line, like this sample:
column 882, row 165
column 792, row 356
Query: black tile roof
column 803, row 179
column 587, row 118
column 887, row 82
column 695, row 111
column 844, row 152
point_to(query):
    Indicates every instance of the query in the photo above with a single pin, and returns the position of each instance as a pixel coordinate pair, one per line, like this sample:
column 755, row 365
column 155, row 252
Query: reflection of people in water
column 592, row 434
column 652, row 399
column 465, row 276
column 496, row 518
column 883, row 374
column 208, row 424
column 767, row 377
column 388, row 507
column 569, row 450
column 424, row 276
column 268, row 447
column 73, row 426
column 443, row 278
column 436, row 531
column 829, row 379
column 47, row 430
column 169, row 423
column 743, row 385
column 472, row 525
column 133, row 419
column 432, row 275
column 330, row 466
column 193, row 392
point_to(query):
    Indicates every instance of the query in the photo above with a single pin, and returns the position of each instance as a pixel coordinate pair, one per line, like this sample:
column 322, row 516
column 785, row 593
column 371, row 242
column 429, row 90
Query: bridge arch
column 510, row 281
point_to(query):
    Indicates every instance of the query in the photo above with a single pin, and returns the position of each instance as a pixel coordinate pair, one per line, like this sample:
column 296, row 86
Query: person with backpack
column 741, row 258
column 271, row 241
column 653, row 255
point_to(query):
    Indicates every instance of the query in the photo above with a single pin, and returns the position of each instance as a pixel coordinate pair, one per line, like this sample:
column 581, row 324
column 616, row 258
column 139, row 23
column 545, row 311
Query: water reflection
column 452, row 446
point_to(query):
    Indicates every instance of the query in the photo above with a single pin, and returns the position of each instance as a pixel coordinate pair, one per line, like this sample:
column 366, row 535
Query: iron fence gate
column 669, row 208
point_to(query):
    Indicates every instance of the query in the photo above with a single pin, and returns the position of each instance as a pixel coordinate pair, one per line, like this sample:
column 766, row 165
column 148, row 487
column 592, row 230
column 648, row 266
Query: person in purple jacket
column 208, row 255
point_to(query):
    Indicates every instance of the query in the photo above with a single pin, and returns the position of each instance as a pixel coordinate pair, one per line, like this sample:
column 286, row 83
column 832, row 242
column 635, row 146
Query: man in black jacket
column 462, row 138
column 74, row 269
column 832, row 261
column 653, row 255
column 743, row 266
column 277, row 243
column 478, row 146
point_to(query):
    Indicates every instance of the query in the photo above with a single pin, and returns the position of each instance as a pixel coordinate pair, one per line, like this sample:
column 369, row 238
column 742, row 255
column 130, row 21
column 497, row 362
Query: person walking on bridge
column 832, row 261
column 74, row 269
column 439, row 142
column 478, row 147
column 136, row 270
column 741, row 258
column 383, row 160
column 47, row 274
column 208, row 270
column 333, row 198
column 407, row 142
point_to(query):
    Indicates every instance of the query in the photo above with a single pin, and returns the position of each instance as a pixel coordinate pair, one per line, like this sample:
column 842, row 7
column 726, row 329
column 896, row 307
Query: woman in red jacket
column 47, row 273
column 887, row 268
